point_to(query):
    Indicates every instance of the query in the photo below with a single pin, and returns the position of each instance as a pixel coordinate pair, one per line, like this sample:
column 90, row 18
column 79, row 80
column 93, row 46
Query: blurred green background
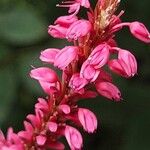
column 23, row 34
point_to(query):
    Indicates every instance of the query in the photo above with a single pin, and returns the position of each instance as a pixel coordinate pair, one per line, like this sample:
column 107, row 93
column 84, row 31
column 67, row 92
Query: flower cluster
column 86, row 67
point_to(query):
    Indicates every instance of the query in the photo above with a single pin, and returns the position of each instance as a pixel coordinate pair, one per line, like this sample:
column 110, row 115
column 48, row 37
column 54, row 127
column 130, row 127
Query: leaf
column 25, row 63
column 21, row 26
column 7, row 92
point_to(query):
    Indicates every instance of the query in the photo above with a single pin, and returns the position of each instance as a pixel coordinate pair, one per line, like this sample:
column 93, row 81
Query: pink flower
column 12, row 142
column 108, row 90
column 66, row 21
column 84, row 3
column 140, row 31
column 42, row 105
column 77, row 83
column 74, row 138
column 89, row 72
column 129, row 60
column 40, row 139
column 66, row 56
column 64, row 108
column 44, row 74
column 125, row 65
column 78, row 29
column 49, row 55
column 52, row 126
column 47, row 78
column 57, row 31
column 99, row 56
column 74, row 5
column 87, row 119
column 50, row 88
column 118, row 67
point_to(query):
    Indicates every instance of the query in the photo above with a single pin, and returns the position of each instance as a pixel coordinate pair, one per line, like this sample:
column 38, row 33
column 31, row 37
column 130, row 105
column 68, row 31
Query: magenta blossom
column 49, row 55
column 87, row 119
column 139, row 31
column 99, row 56
column 74, row 138
column 108, row 90
column 78, row 29
column 66, row 56
column 88, row 72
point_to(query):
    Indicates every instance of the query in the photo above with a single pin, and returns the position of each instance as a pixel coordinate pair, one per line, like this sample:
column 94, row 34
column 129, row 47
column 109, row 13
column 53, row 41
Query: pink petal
column 49, row 55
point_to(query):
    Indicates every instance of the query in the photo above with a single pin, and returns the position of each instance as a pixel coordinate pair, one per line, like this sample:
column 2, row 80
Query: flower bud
column 52, row 126
column 125, row 65
column 76, row 82
column 66, row 21
column 119, row 67
column 78, row 29
column 130, row 61
column 66, row 56
column 64, row 108
column 84, row 3
column 57, row 31
column 50, row 88
column 40, row 139
column 73, row 137
column 89, row 72
column 99, row 56
column 87, row 119
column 140, row 31
column 44, row 74
column 108, row 90
column 49, row 55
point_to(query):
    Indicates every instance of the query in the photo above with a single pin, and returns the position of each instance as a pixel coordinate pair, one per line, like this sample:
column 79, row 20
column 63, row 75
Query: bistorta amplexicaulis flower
column 84, row 75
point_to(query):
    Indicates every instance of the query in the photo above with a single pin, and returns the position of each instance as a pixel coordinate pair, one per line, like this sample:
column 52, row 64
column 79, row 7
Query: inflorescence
column 86, row 67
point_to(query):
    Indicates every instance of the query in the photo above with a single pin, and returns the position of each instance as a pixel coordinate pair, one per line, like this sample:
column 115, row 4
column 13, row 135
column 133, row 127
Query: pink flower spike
column 77, row 83
column 49, row 55
column 57, row 31
column 66, row 56
column 89, row 72
column 78, row 29
column 87, row 119
column 74, row 138
column 64, row 108
column 139, row 31
column 99, row 56
column 52, row 126
column 66, row 21
column 44, row 74
column 108, row 90
column 130, row 61
column 40, row 139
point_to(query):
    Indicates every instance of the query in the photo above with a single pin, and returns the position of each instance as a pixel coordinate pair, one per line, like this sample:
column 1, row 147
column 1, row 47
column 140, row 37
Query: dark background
column 23, row 34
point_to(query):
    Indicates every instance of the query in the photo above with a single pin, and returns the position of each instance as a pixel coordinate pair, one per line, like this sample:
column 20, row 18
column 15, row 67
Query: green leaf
column 21, row 26
column 7, row 92
column 25, row 63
